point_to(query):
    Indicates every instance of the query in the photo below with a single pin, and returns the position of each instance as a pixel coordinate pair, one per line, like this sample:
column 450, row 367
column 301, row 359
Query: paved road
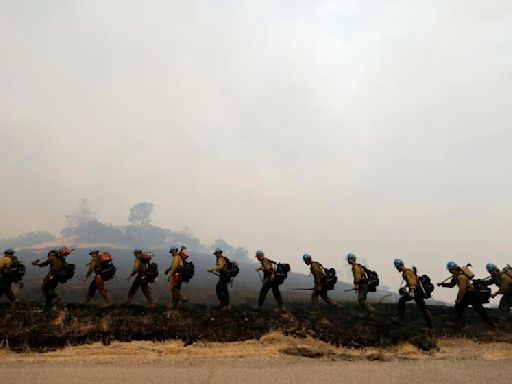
column 248, row 372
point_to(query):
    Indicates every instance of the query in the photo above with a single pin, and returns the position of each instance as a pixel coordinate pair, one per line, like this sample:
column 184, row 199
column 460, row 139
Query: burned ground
column 28, row 328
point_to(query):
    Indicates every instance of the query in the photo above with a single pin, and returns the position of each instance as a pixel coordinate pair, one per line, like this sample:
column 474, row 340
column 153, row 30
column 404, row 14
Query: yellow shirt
column 177, row 264
column 410, row 279
column 220, row 264
column 317, row 271
column 5, row 262
column 359, row 273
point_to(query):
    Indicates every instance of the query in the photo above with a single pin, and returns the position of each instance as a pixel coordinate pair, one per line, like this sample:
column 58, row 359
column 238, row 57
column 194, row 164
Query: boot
column 108, row 303
column 86, row 300
column 129, row 299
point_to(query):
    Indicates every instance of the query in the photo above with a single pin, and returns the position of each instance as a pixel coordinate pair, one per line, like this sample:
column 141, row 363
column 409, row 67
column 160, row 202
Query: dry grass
column 270, row 347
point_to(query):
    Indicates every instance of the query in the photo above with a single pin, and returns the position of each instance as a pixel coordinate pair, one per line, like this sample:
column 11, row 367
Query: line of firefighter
column 412, row 291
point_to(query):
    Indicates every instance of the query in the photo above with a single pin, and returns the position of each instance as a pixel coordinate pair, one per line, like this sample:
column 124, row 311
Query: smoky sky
column 377, row 127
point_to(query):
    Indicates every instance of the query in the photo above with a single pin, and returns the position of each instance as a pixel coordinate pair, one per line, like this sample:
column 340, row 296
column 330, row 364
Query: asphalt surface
column 248, row 372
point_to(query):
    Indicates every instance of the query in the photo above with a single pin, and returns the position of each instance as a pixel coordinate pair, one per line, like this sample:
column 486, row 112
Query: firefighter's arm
column 221, row 264
column 135, row 268
column 174, row 267
column 46, row 262
column 3, row 263
column 505, row 284
column 316, row 270
column 92, row 265
column 410, row 279
column 356, row 271
column 450, row 284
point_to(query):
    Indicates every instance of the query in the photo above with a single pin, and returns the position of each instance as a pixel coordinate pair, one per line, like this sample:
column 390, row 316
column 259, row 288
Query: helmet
column 173, row 249
column 259, row 252
column 9, row 251
column 351, row 256
column 137, row 251
column 306, row 257
column 490, row 267
column 94, row 252
column 451, row 265
column 183, row 247
column 217, row 250
column 398, row 262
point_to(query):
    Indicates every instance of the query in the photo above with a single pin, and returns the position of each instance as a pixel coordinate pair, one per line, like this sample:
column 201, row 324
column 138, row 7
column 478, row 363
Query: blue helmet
column 451, row 265
column 351, row 256
column 490, row 267
column 259, row 252
column 9, row 251
column 398, row 262
column 306, row 257
column 173, row 249
column 217, row 251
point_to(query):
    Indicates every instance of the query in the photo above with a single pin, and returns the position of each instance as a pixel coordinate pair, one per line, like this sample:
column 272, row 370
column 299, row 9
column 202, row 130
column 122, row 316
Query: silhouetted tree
column 80, row 216
column 140, row 214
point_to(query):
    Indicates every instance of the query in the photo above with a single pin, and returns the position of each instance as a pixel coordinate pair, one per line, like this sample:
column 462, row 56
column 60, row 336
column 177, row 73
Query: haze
column 377, row 127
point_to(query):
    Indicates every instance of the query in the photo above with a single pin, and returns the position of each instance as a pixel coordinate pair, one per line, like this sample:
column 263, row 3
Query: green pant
column 506, row 302
column 362, row 298
column 321, row 292
column 222, row 292
column 49, row 289
column 267, row 286
column 5, row 288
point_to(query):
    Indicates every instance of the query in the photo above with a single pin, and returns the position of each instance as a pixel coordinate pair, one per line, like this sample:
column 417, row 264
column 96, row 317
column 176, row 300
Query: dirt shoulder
column 272, row 347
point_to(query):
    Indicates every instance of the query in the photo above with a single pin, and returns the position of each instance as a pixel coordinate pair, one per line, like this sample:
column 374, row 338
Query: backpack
column 373, row 279
column 426, row 285
column 108, row 270
column 330, row 279
column 281, row 273
column 232, row 269
column 481, row 291
column 15, row 272
column 467, row 271
column 67, row 272
column 187, row 272
column 151, row 272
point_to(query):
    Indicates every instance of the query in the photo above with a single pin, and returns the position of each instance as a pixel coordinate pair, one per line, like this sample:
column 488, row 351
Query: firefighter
column 360, row 284
column 222, row 284
column 319, row 290
column 466, row 294
column 97, row 284
column 503, row 281
column 412, row 291
column 5, row 284
column 174, row 275
column 56, row 262
column 269, row 282
column 139, row 269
